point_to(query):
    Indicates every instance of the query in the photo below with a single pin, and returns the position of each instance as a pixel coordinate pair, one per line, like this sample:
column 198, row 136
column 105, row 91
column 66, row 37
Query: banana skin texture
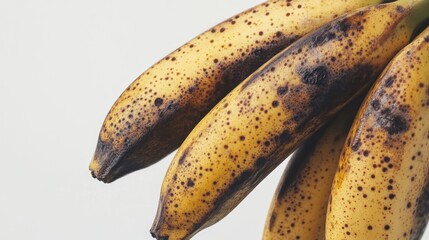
column 252, row 130
column 381, row 188
column 157, row 111
column 298, row 209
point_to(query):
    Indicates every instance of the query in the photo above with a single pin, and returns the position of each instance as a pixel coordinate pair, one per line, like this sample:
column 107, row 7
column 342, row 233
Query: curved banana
column 157, row 111
column 260, row 122
column 380, row 190
column 298, row 209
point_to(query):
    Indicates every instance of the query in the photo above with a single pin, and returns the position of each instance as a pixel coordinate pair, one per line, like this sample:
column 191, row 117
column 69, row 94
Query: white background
column 62, row 65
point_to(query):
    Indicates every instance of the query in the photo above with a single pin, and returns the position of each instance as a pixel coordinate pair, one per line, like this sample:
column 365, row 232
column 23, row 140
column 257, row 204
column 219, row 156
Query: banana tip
column 154, row 235
column 95, row 169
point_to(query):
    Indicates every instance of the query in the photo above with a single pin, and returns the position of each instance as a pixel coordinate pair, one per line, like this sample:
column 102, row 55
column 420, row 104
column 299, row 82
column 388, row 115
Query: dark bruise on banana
column 381, row 188
column 262, row 120
column 156, row 112
column 298, row 209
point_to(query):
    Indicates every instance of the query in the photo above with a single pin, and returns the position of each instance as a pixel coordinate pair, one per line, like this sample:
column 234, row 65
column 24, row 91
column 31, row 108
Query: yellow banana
column 298, row 209
column 381, row 188
column 158, row 110
column 263, row 119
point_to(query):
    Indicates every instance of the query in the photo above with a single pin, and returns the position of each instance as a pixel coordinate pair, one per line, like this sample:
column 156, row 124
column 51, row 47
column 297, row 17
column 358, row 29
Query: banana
column 157, row 111
column 298, row 209
column 249, row 132
column 381, row 188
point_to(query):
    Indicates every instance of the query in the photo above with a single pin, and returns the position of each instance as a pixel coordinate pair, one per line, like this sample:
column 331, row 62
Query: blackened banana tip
column 156, row 236
column 98, row 172
column 93, row 174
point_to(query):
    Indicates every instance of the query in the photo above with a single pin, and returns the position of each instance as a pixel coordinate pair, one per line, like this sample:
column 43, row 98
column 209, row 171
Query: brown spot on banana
column 183, row 157
column 272, row 221
column 316, row 76
column 171, row 97
column 393, row 123
column 248, row 111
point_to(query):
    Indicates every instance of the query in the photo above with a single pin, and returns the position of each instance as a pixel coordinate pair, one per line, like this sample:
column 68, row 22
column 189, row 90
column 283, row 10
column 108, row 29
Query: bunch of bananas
column 344, row 82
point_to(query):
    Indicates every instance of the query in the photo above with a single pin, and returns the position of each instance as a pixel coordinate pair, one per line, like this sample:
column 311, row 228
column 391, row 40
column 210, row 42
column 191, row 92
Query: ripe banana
column 157, row 111
column 381, row 188
column 298, row 209
column 247, row 134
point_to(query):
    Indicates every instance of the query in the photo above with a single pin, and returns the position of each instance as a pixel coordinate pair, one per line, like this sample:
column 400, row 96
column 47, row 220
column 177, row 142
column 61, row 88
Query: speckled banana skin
column 298, row 209
column 158, row 110
column 263, row 119
column 381, row 188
